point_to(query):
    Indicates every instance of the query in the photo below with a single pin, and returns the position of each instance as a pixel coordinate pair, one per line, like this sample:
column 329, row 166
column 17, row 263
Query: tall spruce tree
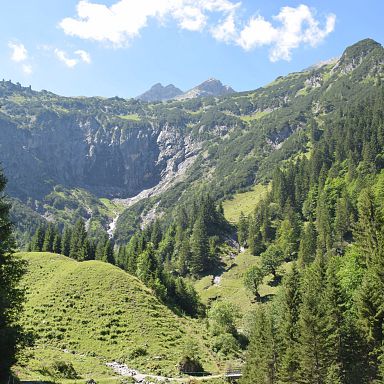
column 66, row 241
column 11, row 295
column 199, row 247
column 261, row 362
column 290, row 302
column 313, row 348
column 79, row 249
column 307, row 248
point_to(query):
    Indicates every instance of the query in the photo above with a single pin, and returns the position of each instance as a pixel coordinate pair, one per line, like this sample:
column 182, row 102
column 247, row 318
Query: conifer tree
column 313, row 349
column 66, row 241
column 11, row 295
column 146, row 265
column 48, row 239
column 184, row 256
column 38, row 239
column 323, row 224
column 242, row 229
column 108, row 252
column 79, row 249
column 199, row 247
column 56, row 243
column 261, row 362
column 289, row 328
column 307, row 248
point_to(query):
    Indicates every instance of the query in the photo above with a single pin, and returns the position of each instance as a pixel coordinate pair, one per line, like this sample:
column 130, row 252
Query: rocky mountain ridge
column 210, row 87
column 158, row 92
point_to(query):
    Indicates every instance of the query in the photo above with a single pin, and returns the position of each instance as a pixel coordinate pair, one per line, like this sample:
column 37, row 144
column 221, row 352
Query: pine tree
column 242, row 229
column 323, row 224
column 38, row 239
column 313, row 349
column 11, row 294
column 66, row 241
column 261, row 362
column 184, row 256
column 199, row 247
column 146, row 265
column 79, row 249
column 255, row 240
column 100, row 247
column 57, row 243
column 289, row 328
column 307, row 248
column 336, row 346
column 342, row 219
column 108, row 252
column 156, row 233
column 48, row 239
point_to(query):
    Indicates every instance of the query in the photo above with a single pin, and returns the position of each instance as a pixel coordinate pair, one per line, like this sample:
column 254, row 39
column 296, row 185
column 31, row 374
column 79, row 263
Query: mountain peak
column 354, row 54
column 158, row 92
column 209, row 87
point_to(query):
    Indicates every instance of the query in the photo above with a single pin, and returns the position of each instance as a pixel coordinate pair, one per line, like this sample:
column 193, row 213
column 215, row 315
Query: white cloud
column 19, row 52
column 71, row 62
column 84, row 56
column 120, row 23
column 256, row 33
column 27, row 69
column 298, row 26
column 63, row 57
column 225, row 31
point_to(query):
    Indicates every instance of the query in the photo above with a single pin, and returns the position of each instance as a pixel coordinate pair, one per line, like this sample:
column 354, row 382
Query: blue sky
column 122, row 47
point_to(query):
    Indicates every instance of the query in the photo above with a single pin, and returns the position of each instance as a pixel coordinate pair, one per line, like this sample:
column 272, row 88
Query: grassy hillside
column 243, row 202
column 231, row 287
column 91, row 313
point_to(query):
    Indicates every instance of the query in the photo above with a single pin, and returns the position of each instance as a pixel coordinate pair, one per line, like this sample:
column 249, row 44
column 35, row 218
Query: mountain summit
column 210, row 87
column 158, row 92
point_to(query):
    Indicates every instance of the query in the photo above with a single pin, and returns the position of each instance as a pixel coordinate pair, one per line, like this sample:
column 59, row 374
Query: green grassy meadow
column 243, row 202
column 91, row 313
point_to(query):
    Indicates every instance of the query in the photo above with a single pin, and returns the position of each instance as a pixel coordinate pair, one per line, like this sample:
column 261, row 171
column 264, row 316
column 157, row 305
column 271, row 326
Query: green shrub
column 137, row 352
column 64, row 370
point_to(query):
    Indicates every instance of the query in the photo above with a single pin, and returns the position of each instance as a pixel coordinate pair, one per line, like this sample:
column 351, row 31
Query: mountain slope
column 101, row 314
column 210, row 87
column 164, row 153
column 158, row 92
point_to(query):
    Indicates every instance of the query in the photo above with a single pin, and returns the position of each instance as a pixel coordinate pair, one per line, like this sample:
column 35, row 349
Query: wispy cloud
column 84, row 56
column 19, row 52
column 120, row 23
column 71, row 62
column 27, row 69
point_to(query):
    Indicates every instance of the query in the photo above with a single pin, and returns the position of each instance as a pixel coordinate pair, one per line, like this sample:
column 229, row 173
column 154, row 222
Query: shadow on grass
column 275, row 281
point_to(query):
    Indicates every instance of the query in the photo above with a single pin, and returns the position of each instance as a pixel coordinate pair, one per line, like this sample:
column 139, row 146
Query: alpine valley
column 200, row 233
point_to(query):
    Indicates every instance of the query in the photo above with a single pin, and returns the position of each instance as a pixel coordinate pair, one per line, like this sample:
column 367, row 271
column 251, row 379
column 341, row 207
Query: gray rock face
column 80, row 151
column 160, row 93
column 210, row 87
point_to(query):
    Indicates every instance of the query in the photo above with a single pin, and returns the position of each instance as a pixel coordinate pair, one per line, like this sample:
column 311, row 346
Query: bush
column 190, row 365
column 225, row 344
column 137, row 352
column 64, row 370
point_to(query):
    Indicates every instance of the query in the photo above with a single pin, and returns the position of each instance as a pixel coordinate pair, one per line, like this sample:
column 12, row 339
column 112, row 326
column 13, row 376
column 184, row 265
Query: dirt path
column 124, row 370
